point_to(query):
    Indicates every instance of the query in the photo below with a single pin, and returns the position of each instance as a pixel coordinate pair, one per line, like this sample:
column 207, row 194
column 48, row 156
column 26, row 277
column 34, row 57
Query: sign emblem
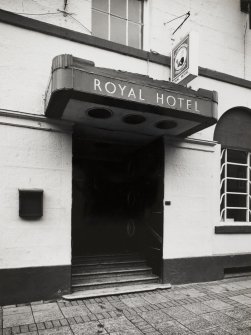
column 181, row 58
column 184, row 60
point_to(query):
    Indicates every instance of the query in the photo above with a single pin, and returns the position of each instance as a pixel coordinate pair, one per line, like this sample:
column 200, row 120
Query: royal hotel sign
column 76, row 86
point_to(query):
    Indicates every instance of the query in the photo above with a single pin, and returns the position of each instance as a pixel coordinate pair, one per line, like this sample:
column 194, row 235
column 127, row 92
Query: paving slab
column 46, row 312
column 180, row 313
column 122, row 325
column 43, row 316
column 198, row 323
column 213, row 331
column 216, row 308
column 217, row 318
column 134, row 302
column 72, row 311
column 238, row 313
column 192, row 293
column 16, row 310
column 244, row 283
column 56, row 331
column 155, row 298
column 243, row 299
column 17, row 319
column 100, row 307
column 158, row 320
column 217, row 304
column 199, row 308
column 52, row 307
column 88, row 328
column 1, row 321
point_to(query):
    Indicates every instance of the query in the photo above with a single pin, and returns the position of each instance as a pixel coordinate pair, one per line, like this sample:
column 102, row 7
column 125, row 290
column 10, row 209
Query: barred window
column 235, row 185
column 119, row 21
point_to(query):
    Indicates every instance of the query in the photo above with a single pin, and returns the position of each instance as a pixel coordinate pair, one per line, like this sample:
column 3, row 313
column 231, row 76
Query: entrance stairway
column 110, row 270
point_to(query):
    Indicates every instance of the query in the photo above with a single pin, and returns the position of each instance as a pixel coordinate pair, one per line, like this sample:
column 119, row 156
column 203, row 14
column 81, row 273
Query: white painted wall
column 26, row 59
column 192, row 169
column 225, row 43
column 229, row 96
column 225, row 38
column 34, row 158
column 79, row 18
column 191, row 184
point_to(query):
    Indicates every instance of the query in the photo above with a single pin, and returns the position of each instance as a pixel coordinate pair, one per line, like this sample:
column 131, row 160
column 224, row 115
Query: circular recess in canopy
column 99, row 113
column 134, row 119
column 166, row 124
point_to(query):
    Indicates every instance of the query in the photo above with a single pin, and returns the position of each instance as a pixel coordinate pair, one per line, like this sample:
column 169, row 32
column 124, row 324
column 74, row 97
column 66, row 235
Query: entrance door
column 118, row 200
column 147, row 166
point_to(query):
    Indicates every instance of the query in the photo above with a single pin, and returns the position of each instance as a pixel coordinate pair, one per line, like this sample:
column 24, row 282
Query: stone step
column 110, row 273
column 102, row 292
column 111, row 282
column 97, row 271
column 93, row 259
column 107, row 264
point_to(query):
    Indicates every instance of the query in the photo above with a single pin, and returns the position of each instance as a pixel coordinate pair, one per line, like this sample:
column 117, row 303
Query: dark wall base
column 199, row 269
column 33, row 284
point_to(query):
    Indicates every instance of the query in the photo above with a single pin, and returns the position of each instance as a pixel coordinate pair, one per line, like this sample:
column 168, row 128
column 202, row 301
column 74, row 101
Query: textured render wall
column 25, row 67
column 229, row 96
column 26, row 58
column 79, row 18
column 32, row 158
column 231, row 244
column 191, row 173
column 192, row 184
column 225, row 39
column 225, row 43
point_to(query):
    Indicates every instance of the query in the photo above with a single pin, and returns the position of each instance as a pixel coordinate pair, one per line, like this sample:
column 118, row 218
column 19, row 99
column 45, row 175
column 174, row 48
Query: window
column 235, row 185
column 119, row 21
column 233, row 133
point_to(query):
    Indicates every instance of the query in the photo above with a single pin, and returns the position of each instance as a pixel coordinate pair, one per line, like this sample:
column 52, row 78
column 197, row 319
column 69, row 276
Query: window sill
column 233, row 229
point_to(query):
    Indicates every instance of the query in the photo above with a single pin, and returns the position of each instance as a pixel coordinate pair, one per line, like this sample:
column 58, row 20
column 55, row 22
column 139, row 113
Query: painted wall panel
column 191, row 184
column 32, row 158
column 225, row 40
column 229, row 96
column 26, row 64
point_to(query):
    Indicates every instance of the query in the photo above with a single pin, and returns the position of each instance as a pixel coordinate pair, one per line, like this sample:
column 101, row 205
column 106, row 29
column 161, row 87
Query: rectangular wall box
column 30, row 203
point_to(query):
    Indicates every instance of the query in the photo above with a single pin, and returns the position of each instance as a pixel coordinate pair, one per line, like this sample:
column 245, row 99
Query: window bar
column 127, row 22
column 222, row 181
column 233, row 178
column 225, row 188
column 237, row 193
column 237, row 164
column 222, row 214
column 248, row 185
column 141, row 25
column 230, row 207
column 109, row 20
column 222, row 153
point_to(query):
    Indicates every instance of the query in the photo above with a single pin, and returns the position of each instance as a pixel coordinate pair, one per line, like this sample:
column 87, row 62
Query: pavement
column 219, row 308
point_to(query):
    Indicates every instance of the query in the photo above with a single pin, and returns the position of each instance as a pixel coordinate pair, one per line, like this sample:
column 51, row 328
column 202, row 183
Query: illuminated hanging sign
column 184, row 60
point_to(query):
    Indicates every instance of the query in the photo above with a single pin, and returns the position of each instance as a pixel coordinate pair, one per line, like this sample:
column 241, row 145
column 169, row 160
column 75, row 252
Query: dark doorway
column 118, row 199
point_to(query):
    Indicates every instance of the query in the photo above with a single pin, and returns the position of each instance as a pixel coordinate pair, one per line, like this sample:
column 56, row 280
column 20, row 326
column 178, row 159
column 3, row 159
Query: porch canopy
column 125, row 106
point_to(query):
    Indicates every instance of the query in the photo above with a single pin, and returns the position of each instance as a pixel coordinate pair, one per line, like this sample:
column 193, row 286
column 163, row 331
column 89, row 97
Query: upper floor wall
column 225, row 37
column 26, row 55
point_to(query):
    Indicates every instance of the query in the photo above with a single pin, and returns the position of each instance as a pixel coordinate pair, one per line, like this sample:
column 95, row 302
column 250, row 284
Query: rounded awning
column 122, row 105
